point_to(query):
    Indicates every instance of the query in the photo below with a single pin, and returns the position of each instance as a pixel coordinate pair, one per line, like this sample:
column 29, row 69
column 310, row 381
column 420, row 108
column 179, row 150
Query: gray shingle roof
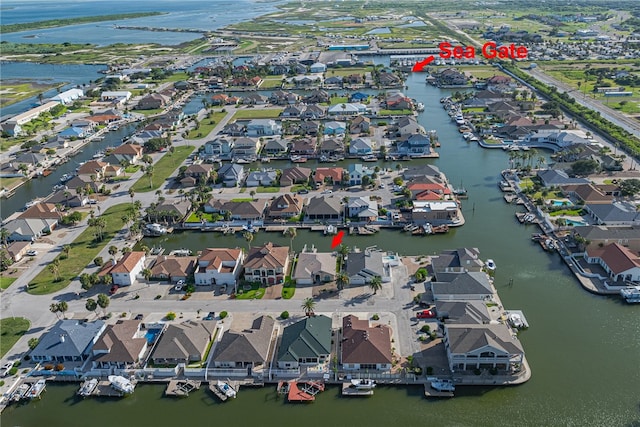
column 249, row 345
column 184, row 340
column 472, row 338
column 470, row 283
column 68, row 338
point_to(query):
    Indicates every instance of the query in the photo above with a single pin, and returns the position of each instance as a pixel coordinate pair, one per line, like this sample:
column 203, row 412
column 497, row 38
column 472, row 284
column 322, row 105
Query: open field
column 206, row 126
column 162, row 169
column 13, row 91
column 254, row 113
column 12, row 329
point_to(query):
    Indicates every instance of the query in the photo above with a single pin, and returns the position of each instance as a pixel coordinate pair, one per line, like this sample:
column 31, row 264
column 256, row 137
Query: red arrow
column 419, row 66
column 337, row 239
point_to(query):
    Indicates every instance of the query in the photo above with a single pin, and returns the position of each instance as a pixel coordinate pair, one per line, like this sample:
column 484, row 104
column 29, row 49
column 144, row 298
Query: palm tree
column 132, row 193
column 113, row 250
column 342, row 280
column 62, row 307
column 292, row 233
column 66, row 249
column 54, row 309
column 149, row 172
column 91, row 305
column 248, row 236
column 107, row 279
column 308, row 305
column 146, row 273
column 103, row 302
column 54, row 268
column 4, row 236
column 376, row 284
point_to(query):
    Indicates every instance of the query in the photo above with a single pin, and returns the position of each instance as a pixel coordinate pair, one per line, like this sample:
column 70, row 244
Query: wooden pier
column 104, row 389
column 181, row 388
column 213, row 388
column 349, row 389
column 304, row 393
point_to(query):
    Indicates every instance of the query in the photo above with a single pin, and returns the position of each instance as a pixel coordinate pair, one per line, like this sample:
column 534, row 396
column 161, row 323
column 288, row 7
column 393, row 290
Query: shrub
column 158, row 297
column 13, row 371
column 375, row 317
column 98, row 261
column 170, row 315
column 59, row 367
column 477, row 371
column 426, row 329
column 1, row 383
column 17, row 364
column 284, row 315
column 223, row 314
column 48, row 367
column 123, row 314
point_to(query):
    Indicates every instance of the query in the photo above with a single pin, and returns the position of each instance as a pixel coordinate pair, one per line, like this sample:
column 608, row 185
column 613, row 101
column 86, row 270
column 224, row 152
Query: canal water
column 583, row 349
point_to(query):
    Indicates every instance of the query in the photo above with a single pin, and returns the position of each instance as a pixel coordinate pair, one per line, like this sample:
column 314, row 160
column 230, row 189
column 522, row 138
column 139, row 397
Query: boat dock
column 181, row 388
column 518, row 315
column 349, row 390
column 304, row 393
column 213, row 388
column 104, row 389
column 431, row 392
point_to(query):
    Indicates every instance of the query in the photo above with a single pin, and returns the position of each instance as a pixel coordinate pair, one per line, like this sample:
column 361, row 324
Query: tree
column 4, row 236
column 54, row 268
column 91, row 305
column 33, row 343
column 132, row 193
column 107, row 279
column 54, row 309
column 103, row 302
column 98, row 261
column 376, row 284
column 99, row 224
column 342, row 280
column 149, row 172
column 146, row 273
column 63, row 307
column 585, row 167
column 292, row 233
column 66, row 249
column 308, row 305
column 248, row 236
column 630, row 187
column 113, row 250
column 421, row 274
column 86, row 281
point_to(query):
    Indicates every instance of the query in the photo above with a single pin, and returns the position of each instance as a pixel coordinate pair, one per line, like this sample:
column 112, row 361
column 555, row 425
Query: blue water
column 561, row 203
column 152, row 334
column 575, row 223
column 383, row 30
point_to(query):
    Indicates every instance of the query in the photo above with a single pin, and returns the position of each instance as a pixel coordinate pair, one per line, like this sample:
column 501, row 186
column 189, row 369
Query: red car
column 113, row 289
column 426, row 314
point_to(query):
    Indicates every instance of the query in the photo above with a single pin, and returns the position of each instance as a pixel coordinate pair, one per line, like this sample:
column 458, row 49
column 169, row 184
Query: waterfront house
column 245, row 148
column 358, row 97
column 185, row 342
column 557, row 138
column 306, row 81
column 117, row 97
column 613, row 214
column 357, row 172
column 471, row 285
column 42, row 211
column 434, row 212
column 428, row 190
column 303, row 147
column 587, row 194
column 360, row 124
column 334, row 82
column 406, row 126
column 153, row 101
column 318, row 67
column 362, row 208
column 127, row 269
column 254, row 99
column 28, row 159
column 361, row 146
column 317, row 97
column 218, row 266
column 200, row 172
column 553, row 177
column 323, row 208
column 121, row 346
column 70, row 199
column 219, row 147
column 452, row 77
column 275, row 147
column 463, row 312
column 68, row 96
column 470, row 347
column 69, row 340
column 170, row 211
column 267, row 264
column 363, row 266
column 307, row 127
column 73, row 133
column 328, row 176
column 247, row 348
column 398, row 101
column 306, row 342
column 346, row 109
column 173, row 268
column 415, row 145
column 130, row 153
column 620, row 263
column 13, row 125
column 263, row 127
column 219, row 99
column 29, row 229
column 246, row 210
column 365, row 347
column 314, row 268
column 294, row 175
column 421, row 172
column 280, row 97
column 231, row 174
column 387, row 79
column 599, row 236
column 292, row 111
column 313, row 112
column 261, row 178
column 95, row 168
column 332, row 147
column 285, row 206
column 335, row 128
column 459, row 260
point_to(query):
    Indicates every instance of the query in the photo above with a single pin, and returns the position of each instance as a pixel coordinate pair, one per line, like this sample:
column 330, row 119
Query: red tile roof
column 215, row 257
column 269, row 256
column 618, row 258
column 128, row 262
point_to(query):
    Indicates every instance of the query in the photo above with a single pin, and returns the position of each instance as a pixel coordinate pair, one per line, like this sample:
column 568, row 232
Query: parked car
column 426, row 314
column 139, row 317
column 113, row 289
column 210, row 316
column 303, row 191
column 327, row 192
column 179, row 285
column 32, row 252
column 4, row 371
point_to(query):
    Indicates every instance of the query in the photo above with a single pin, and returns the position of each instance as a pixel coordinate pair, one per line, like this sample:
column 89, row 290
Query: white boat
column 370, row 158
column 88, row 387
column 467, row 135
column 156, row 229
column 363, row 384
column 242, row 162
column 631, row 294
column 20, row 392
column 515, row 320
column 490, row 264
column 66, row 177
column 181, row 252
column 420, row 107
column 226, row 389
column 36, row 389
column 443, row 385
column 121, row 384
column 98, row 155
column 298, row 159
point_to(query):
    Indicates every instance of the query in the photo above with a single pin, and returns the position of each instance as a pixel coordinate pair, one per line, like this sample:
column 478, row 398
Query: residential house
column 69, row 340
column 553, row 177
column 254, row 99
column 587, row 194
column 470, row 347
column 69, row 199
column 173, row 268
column 389, row 79
column 275, row 147
column 16, row 250
column 263, row 127
column 200, row 172
column 459, row 260
column 280, row 97
column 306, row 81
column 559, row 138
column 500, row 83
column 357, row 172
column 42, row 210
column 415, row 145
column 185, row 342
column 245, row 148
column 360, row 124
column 153, row 101
column 599, row 236
column 73, row 133
column 362, row 208
column 333, row 82
column 354, row 79
column 170, row 211
column 285, row 206
column 294, row 175
column 318, row 67
column 435, row 212
column 219, row 99
column 463, row 312
column 245, row 210
column 219, row 147
column 128, row 268
column 313, row 112
column 130, row 153
column 303, row 147
column 365, row 347
column 68, row 96
column 267, row 264
column 234, row 129
column 324, row 208
column 292, row 111
column 346, row 109
column 121, row 346
column 428, row 191
column 29, row 159
column 328, row 175
column 613, row 214
column 332, row 147
column 306, row 342
column 94, row 168
column 361, row 146
column 358, row 97
column 620, row 263
column 29, row 229
column 452, row 77
column 467, row 286
column 363, row 266
column 334, row 128
column 398, row 101
column 247, row 348
column 261, row 178
column 310, row 127
column 231, row 174
column 219, row 266
column 314, row 268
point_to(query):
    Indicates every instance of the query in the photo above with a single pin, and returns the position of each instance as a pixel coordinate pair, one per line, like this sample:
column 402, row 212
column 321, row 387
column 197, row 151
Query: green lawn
column 257, row 113
column 11, row 182
column 83, row 250
column 132, row 168
column 5, row 282
column 297, row 187
column 267, row 189
column 567, row 212
column 246, row 199
column 206, row 126
column 395, row 112
column 288, row 290
column 149, row 112
column 256, row 292
column 12, row 329
column 339, row 100
column 270, row 83
column 347, row 71
column 162, row 169
column 209, row 217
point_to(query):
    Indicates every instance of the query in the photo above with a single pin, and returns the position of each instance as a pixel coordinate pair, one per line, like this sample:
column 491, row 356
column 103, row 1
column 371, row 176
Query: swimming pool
column 574, row 223
column 561, row 203
column 152, row 334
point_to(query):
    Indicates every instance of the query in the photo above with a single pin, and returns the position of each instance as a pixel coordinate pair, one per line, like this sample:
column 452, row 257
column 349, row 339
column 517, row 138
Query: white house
column 124, row 272
column 219, row 266
column 318, row 67
column 619, row 262
column 68, row 96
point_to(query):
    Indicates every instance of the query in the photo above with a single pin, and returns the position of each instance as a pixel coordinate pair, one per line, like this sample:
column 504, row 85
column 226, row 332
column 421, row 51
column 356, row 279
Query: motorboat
column 631, row 294
column 442, row 385
column 121, row 384
column 155, row 229
column 420, row 107
column 242, row 161
column 516, row 320
column 363, row 384
column 66, row 177
column 298, row 159
column 370, row 158
column 20, row 392
column 467, row 135
column 226, row 389
column 88, row 387
column 36, row 389
column 490, row 264
column 181, row 252
column 98, row 155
